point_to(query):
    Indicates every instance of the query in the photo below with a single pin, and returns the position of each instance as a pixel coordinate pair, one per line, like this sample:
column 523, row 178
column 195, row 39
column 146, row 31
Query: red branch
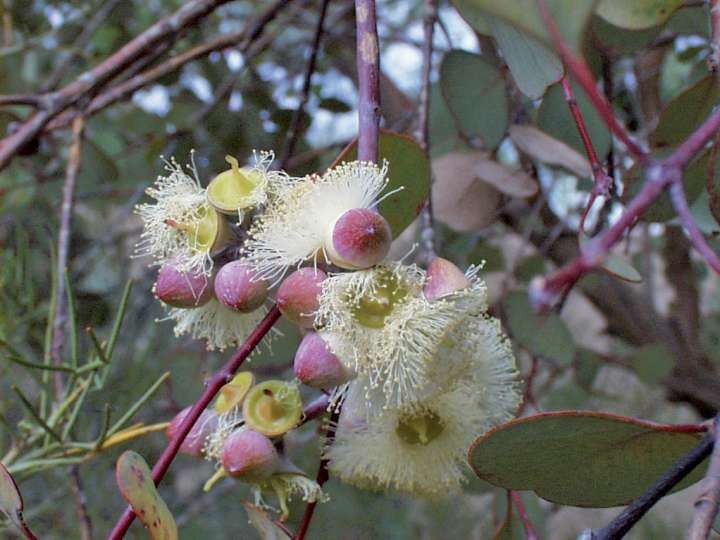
column 213, row 386
column 602, row 184
column 582, row 73
column 530, row 533
column 368, row 67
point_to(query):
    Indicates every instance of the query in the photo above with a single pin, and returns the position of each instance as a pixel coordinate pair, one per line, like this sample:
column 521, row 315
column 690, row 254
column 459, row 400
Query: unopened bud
column 249, row 455
column 443, row 277
column 360, row 238
column 298, row 297
column 182, row 289
column 316, row 365
column 194, row 443
column 272, row 408
column 238, row 287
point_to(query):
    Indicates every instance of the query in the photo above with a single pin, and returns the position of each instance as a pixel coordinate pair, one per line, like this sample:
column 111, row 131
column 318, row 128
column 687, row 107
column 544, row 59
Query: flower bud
column 360, row 238
column 298, row 297
column 249, row 455
column 316, row 366
column 273, row 408
column 233, row 393
column 237, row 287
column 182, row 289
column 443, row 277
column 233, row 189
column 194, row 443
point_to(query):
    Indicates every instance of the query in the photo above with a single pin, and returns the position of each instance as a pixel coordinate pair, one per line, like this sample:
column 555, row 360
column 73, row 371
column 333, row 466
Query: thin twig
column 213, row 386
column 90, row 81
column 639, row 507
column 80, row 503
column 368, row 68
column 679, row 201
column 602, row 183
column 530, row 533
column 706, row 505
column 427, row 228
column 63, row 250
column 293, row 134
column 583, row 75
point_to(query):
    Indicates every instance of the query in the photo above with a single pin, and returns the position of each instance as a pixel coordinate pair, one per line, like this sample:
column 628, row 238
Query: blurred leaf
column 334, row 105
column 547, row 149
column 547, row 336
column 566, row 396
column 474, row 91
column 460, row 199
column 529, row 267
column 408, row 168
column 617, row 41
column 700, row 210
column 263, row 523
column 613, row 459
column 619, row 267
column 493, row 257
column 683, row 114
column 513, row 182
column 444, row 134
column 571, row 16
column 135, row 481
column 652, row 362
column 554, row 118
column 532, row 65
column 512, row 528
column 11, row 503
column 96, row 168
column 587, row 366
column 637, row 14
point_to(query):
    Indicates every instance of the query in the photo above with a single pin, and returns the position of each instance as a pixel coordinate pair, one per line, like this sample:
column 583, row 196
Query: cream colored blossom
column 294, row 225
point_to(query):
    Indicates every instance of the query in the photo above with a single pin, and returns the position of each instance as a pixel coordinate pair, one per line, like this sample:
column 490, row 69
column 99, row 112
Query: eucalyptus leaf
column 637, row 14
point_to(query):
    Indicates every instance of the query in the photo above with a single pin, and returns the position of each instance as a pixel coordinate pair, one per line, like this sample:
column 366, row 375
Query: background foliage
column 511, row 180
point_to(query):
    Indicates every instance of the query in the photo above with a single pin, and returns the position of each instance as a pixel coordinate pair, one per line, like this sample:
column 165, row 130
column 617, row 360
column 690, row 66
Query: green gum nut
column 234, row 392
column 208, row 234
column 372, row 309
column 273, row 408
column 419, row 429
column 233, row 189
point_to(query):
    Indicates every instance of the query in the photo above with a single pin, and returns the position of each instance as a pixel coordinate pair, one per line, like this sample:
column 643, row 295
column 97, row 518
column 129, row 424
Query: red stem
column 602, row 182
column 213, row 386
column 368, row 67
column 530, row 533
column 581, row 72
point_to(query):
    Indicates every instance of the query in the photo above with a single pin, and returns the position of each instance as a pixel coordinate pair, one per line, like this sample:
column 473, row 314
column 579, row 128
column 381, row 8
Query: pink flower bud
column 195, row 440
column 237, row 287
column 316, row 366
column 360, row 238
column 250, row 455
column 181, row 289
column 298, row 296
column 443, row 278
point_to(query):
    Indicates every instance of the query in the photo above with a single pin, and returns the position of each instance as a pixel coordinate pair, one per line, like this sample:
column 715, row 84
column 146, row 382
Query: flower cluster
column 415, row 365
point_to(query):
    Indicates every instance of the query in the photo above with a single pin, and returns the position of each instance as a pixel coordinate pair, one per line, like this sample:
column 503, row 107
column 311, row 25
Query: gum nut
column 237, row 287
column 247, row 453
column 298, row 297
column 360, row 238
column 443, row 277
column 195, row 440
column 182, row 289
column 315, row 365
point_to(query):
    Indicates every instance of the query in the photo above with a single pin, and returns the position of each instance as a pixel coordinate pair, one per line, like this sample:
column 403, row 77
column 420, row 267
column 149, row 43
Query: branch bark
column 706, row 505
column 368, row 67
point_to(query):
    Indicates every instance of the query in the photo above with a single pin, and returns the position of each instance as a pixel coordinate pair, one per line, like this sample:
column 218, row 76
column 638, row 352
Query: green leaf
column 474, row 91
column 96, row 168
column 637, row 14
column 587, row 366
column 581, row 458
column 619, row 267
column 684, row 113
column 652, row 363
column 617, row 41
column 554, row 118
column 444, row 134
column 546, row 335
column 11, row 503
column 408, row 168
column 571, row 17
column 532, row 65
column 334, row 105
column 135, row 481
column 541, row 146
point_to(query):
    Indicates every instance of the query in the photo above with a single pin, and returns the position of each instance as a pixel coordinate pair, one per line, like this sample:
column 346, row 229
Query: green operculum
column 420, row 428
column 202, row 232
column 272, row 408
column 233, row 189
column 373, row 307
